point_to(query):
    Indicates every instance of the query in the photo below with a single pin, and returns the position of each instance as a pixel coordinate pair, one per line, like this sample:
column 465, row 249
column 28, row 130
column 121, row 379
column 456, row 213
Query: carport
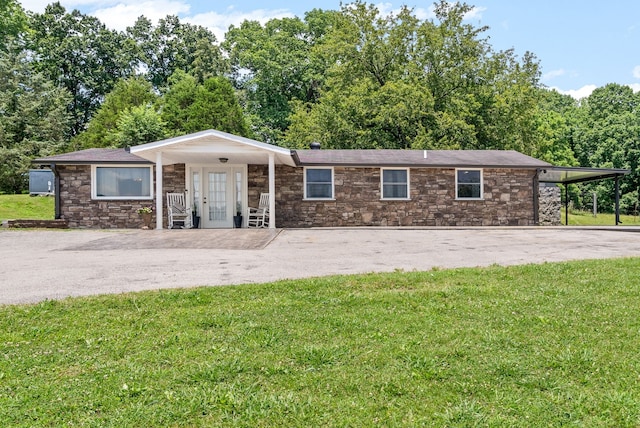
column 573, row 175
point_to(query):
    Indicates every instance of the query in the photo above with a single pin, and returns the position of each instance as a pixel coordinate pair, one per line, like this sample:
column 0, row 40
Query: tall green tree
column 555, row 121
column 126, row 94
column 138, row 125
column 608, row 136
column 13, row 22
column 79, row 53
column 173, row 45
column 33, row 119
column 396, row 81
column 273, row 65
column 191, row 107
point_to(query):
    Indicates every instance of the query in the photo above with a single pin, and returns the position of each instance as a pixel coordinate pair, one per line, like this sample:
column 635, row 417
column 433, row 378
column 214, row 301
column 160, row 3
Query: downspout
column 536, row 198
column 56, row 197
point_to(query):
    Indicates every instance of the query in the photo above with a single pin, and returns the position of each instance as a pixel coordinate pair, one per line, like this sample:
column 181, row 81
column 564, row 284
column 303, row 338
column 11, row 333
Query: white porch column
column 272, row 191
column 159, row 213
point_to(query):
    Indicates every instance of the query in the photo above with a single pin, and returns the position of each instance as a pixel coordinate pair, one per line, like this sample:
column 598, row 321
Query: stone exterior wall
column 508, row 199
column 550, row 204
column 80, row 211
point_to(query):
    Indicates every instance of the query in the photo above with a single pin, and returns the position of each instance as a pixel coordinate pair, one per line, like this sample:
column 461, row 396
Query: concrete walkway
column 43, row 264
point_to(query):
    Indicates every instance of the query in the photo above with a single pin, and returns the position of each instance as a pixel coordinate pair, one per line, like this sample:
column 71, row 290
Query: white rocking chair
column 177, row 211
column 259, row 217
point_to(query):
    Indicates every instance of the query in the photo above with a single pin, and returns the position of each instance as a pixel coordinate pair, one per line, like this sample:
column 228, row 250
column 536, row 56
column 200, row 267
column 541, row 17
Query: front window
column 121, row 182
column 318, row 183
column 468, row 184
column 395, row 183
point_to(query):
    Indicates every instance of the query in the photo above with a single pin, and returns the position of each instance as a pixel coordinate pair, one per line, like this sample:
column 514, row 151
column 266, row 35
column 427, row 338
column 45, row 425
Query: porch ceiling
column 208, row 147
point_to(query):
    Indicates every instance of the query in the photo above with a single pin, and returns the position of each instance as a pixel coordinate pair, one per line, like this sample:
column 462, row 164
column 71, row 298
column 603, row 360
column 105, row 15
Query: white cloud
column 39, row 5
column 219, row 23
column 123, row 15
column 553, row 74
column 475, row 13
column 636, row 71
column 583, row 92
column 635, row 87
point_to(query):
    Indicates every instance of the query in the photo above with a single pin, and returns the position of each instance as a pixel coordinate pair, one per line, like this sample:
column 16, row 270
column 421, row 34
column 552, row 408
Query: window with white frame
column 395, row 183
column 318, row 183
column 121, row 182
column 469, row 184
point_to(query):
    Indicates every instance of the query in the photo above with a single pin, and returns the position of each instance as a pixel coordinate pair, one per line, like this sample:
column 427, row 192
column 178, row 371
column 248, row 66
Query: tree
column 274, row 65
column 191, row 107
column 79, row 53
column 126, row 94
column 172, row 46
column 138, row 125
column 13, row 22
column 397, row 82
column 608, row 136
column 33, row 122
column 553, row 127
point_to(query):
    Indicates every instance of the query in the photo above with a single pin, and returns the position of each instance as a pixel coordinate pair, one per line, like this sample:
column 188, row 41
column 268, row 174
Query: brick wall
column 80, row 211
column 508, row 199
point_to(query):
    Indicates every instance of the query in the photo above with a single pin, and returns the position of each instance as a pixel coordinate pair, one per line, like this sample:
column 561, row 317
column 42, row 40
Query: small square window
column 395, row 183
column 469, row 184
column 318, row 183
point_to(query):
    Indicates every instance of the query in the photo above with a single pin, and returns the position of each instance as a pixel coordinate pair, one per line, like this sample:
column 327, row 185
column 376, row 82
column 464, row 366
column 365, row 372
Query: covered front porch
column 216, row 171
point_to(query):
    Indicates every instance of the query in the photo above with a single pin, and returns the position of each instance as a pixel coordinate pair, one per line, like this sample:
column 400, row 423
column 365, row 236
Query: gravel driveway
column 43, row 264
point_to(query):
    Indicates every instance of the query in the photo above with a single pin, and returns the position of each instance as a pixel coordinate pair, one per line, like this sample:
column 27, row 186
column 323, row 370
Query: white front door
column 217, row 198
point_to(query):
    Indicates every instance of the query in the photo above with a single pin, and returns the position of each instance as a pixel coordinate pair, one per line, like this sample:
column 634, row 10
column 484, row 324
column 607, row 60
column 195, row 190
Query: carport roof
column 570, row 175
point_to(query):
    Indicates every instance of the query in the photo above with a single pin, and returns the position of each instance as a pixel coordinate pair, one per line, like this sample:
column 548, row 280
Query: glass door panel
column 218, row 198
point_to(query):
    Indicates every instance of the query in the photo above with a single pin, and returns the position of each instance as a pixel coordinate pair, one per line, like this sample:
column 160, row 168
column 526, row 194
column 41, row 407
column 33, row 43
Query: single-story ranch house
column 223, row 174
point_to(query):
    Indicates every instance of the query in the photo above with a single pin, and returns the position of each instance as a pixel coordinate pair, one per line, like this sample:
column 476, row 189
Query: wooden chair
column 177, row 211
column 259, row 217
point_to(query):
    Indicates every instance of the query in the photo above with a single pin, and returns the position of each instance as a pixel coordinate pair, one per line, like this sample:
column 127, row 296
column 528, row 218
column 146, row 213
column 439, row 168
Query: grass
column 539, row 345
column 583, row 218
column 25, row 207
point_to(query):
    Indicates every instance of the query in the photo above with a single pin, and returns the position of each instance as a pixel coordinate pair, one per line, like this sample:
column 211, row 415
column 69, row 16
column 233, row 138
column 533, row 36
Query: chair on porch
column 177, row 211
column 259, row 217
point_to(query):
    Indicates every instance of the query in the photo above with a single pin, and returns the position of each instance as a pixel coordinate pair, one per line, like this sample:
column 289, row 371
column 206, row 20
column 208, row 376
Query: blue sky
column 581, row 45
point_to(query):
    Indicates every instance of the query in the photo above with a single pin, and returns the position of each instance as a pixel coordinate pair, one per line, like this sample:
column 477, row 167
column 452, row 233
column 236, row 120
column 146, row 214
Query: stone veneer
column 550, row 205
column 80, row 211
column 508, row 199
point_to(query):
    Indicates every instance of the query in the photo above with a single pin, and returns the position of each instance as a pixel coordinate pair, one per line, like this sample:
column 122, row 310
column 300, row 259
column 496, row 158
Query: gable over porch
column 214, row 152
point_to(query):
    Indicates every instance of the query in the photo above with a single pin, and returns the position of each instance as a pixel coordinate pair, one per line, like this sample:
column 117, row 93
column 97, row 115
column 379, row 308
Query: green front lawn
column 25, row 207
column 583, row 218
column 540, row 345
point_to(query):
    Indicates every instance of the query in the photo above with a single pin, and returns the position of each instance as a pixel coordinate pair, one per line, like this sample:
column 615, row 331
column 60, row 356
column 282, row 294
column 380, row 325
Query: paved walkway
column 38, row 265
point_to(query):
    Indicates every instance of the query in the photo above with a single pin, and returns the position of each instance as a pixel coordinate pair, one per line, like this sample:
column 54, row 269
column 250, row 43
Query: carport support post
column 617, row 199
column 566, row 205
column 159, row 214
column 272, row 191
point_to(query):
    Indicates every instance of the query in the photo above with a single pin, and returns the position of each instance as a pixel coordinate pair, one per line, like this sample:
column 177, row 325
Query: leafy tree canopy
column 191, row 107
column 126, row 94
column 33, row 119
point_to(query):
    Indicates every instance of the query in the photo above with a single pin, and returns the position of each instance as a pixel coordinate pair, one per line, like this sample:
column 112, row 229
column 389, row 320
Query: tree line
column 348, row 78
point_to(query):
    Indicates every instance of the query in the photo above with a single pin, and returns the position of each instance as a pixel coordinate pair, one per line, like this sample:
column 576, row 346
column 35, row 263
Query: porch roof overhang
column 210, row 147
column 571, row 175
